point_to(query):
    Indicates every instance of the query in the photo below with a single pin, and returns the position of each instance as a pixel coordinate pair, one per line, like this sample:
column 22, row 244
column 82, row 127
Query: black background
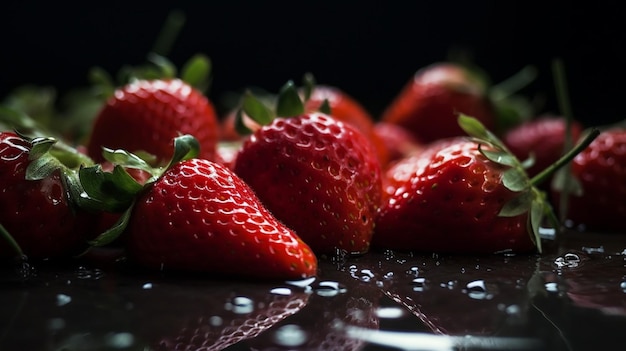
column 367, row 48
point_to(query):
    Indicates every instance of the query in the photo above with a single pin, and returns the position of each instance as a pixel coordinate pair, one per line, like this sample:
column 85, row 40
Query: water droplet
column 329, row 289
column 419, row 283
column 390, row 312
column 281, row 291
column 622, row 285
column 290, row 335
column 240, row 305
column 388, row 275
column 63, row 299
column 120, row 340
column 592, row 250
column 569, row 260
column 147, row 286
column 85, row 273
column 477, row 290
column 551, row 287
column 216, row 321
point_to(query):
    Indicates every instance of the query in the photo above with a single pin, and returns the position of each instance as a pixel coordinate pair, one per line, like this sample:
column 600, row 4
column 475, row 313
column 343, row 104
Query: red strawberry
column 316, row 174
column 348, row 110
column 600, row 176
column 429, row 104
column 199, row 216
column 398, row 141
column 37, row 210
column 146, row 115
column 543, row 138
column 468, row 197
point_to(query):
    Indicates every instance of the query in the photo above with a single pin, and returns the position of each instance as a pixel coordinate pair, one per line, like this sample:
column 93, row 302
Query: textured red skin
column 36, row 213
column 319, row 176
column 148, row 115
column 544, row 137
column 448, row 202
column 200, row 217
column 348, row 110
column 601, row 171
column 429, row 104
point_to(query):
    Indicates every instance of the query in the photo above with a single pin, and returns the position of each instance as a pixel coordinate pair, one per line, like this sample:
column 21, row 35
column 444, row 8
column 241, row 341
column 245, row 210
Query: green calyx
column 116, row 190
column 289, row 102
column 529, row 198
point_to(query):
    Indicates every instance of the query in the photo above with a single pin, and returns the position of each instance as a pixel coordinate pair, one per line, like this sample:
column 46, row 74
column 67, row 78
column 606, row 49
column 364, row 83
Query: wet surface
column 570, row 298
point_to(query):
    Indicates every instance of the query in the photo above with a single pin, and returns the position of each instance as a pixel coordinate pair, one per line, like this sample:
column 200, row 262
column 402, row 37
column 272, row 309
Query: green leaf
column 325, row 107
column 517, row 205
column 196, row 71
column 309, row 85
column 472, row 127
column 115, row 231
column 123, row 157
column 240, row 127
column 537, row 211
column 16, row 119
column 108, row 191
column 529, row 162
column 102, row 81
column 289, row 103
column 563, row 180
column 499, row 157
column 515, row 179
column 8, row 238
column 185, row 147
column 42, row 168
column 166, row 68
column 40, row 147
column 256, row 109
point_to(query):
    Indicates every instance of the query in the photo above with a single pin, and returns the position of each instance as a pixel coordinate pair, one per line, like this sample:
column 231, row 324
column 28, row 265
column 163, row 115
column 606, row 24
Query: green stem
column 9, row 239
column 514, row 83
column 173, row 24
column 565, row 159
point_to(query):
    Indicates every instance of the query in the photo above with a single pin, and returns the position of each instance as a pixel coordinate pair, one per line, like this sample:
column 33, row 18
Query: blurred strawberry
column 429, row 104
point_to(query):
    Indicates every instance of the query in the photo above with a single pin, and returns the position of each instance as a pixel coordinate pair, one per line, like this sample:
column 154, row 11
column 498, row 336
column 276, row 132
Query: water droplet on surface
column 592, row 250
column 390, row 312
column 551, row 287
column 290, row 335
column 419, row 283
column 301, row 283
column 477, row 290
column 569, row 260
column 85, row 273
column 216, row 321
column 622, row 285
column 329, row 288
column 281, row 291
column 120, row 340
column 63, row 299
column 147, row 286
column 240, row 305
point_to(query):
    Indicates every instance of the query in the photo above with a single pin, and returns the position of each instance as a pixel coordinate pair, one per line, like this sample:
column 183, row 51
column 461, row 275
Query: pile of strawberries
column 286, row 179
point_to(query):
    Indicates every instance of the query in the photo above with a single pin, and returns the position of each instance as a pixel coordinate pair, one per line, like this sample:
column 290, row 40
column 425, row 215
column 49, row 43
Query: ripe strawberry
column 429, row 104
column 398, row 141
column 348, row 110
column 598, row 172
column 468, row 197
column 316, row 174
column 146, row 115
column 542, row 138
column 37, row 209
column 198, row 216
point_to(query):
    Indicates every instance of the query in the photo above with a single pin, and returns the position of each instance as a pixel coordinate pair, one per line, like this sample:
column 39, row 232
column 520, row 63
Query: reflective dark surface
column 572, row 297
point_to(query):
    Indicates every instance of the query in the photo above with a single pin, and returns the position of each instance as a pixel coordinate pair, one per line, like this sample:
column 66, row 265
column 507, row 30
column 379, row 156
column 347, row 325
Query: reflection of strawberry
column 39, row 212
column 146, row 115
column 224, row 317
column 431, row 101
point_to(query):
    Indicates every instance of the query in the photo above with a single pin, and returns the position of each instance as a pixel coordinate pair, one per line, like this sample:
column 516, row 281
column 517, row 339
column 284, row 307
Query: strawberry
column 196, row 215
column 597, row 202
column 146, row 115
column 542, row 138
column 398, row 141
column 348, row 110
column 39, row 217
column 471, row 196
column 316, row 174
column 428, row 105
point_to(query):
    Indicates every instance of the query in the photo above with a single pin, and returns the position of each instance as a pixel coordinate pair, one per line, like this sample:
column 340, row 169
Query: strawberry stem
column 9, row 239
column 565, row 159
